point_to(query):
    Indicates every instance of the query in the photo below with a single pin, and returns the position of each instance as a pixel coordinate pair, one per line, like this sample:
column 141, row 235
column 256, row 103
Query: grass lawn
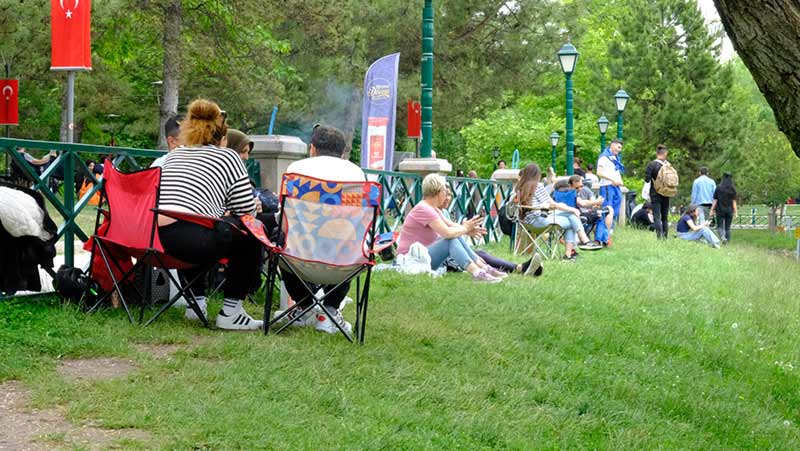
column 646, row 345
column 777, row 241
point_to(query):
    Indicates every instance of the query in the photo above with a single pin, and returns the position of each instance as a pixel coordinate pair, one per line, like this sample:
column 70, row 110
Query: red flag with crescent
column 9, row 102
column 71, row 34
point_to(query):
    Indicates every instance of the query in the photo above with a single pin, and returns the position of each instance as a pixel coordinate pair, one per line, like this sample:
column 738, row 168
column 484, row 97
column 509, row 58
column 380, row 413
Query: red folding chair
column 129, row 231
column 327, row 231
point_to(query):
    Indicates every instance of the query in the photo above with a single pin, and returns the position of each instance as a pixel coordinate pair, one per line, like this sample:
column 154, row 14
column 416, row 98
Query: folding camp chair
column 327, row 231
column 128, row 231
column 545, row 241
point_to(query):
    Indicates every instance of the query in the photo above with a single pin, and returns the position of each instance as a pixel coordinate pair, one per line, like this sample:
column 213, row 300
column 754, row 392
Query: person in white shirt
column 609, row 170
column 325, row 162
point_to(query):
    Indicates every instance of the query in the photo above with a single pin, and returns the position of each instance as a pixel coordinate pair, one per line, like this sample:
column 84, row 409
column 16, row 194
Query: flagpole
column 8, row 75
column 70, row 105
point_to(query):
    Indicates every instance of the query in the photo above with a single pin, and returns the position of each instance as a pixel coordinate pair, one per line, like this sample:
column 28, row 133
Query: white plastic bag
column 646, row 191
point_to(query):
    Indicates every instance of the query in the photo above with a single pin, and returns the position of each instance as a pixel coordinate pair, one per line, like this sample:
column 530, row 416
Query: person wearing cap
column 610, row 170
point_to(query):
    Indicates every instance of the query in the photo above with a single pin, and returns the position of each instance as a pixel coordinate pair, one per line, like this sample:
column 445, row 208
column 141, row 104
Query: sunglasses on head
column 224, row 115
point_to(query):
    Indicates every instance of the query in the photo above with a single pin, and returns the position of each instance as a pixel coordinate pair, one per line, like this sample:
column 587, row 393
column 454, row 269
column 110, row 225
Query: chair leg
column 190, row 299
column 361, row 331
column 116, row 284
column 271, row 276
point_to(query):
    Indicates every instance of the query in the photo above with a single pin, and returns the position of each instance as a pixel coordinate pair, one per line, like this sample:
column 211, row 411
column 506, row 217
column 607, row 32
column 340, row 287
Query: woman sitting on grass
column 425, row 225
column 689, row 230
column 531, row 194
column 532, row 267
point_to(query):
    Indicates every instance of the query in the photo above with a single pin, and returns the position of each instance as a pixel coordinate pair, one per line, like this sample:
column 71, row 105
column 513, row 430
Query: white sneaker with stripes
column 238, row 320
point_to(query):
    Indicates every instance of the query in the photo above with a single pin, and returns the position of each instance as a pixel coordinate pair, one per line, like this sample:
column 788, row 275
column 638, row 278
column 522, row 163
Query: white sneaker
column 309, row 319
column 325, row 324
column 192, row 316
column 239, row 320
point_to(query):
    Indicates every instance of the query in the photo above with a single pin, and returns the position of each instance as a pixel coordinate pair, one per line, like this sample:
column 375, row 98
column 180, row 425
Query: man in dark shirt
column 659, row 203
column 642, row 219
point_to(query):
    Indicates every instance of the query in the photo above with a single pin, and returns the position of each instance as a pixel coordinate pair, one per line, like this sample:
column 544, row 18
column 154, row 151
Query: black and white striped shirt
column 205, row 180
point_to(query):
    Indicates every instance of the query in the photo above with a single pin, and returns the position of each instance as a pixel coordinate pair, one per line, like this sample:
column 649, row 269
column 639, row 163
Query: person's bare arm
column 455, row 231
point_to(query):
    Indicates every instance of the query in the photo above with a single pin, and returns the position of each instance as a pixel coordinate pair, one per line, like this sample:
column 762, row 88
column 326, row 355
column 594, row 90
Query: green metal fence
column 57, row 180
column 470, row 197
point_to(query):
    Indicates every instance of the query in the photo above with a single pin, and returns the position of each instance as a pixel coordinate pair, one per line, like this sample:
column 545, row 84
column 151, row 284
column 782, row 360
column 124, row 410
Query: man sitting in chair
column 324, row 162
column 590, row 206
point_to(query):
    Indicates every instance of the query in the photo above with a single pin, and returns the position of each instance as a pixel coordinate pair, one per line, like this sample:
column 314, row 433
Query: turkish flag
column 71, row 34
column 9, row 102
column 414, row 119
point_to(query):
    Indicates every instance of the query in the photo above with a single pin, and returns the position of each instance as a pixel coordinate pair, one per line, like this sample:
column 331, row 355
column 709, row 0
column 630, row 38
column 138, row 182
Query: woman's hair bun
column 203, row 110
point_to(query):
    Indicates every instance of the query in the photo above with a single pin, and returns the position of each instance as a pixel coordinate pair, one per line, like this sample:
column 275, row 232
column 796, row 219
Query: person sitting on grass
column 690, row 230
column 531, row 194
column 425, row 225
column 642, row 217
column 531, row 267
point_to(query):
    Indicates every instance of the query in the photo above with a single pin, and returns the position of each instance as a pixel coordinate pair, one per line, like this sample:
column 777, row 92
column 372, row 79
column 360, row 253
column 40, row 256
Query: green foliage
column 704, row 359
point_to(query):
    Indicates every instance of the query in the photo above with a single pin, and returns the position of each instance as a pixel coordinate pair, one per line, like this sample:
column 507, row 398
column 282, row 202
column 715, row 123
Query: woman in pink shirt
column 443, row 239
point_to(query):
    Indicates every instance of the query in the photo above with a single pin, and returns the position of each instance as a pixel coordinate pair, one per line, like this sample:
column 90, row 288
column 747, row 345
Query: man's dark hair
column 590, row 167
column 703, row 170
column 173, row 126
column 616, row 140
column 575, row 179
column 661, row 149
column 646, row 206
column 328, row 141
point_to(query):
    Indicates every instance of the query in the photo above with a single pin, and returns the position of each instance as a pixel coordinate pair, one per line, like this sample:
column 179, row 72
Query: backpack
column 666, row 183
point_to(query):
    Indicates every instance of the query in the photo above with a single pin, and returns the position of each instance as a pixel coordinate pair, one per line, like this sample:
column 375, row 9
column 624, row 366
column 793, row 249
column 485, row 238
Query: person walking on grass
column 703, row 193
column 724, row 206
column 659, row 201
column 690, row 229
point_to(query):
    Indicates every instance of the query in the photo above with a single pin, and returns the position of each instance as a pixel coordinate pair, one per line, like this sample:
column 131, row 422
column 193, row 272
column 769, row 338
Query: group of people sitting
column 204, row 173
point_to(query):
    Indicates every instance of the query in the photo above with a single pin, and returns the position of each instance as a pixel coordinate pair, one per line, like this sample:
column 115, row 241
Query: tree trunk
column 766, row 35
column 173, row 20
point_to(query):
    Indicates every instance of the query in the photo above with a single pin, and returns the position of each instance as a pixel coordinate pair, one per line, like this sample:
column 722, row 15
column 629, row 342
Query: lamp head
column 602, row 124
column 554, row 139
column 568, row 57
column 621, row 98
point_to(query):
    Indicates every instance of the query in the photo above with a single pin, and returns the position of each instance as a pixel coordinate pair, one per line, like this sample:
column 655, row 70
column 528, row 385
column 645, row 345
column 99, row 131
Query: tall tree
column 766, row 35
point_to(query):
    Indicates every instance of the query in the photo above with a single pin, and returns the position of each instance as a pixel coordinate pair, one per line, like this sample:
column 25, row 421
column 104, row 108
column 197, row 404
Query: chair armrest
column 382, row 241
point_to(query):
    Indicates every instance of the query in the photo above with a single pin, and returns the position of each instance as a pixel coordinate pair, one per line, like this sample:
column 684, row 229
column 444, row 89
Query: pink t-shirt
column 417, row 227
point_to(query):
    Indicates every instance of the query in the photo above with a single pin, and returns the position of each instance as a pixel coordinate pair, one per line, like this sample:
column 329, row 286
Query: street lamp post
column 111, row 118
column 602, row 125
column 568, row 57
column 496, row 153
column 553, row 142
column 426, row 98
column 621, row 98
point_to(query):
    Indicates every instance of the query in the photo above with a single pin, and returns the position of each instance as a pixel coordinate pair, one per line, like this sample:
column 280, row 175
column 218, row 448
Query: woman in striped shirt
column 206, row 178
column 531, row 193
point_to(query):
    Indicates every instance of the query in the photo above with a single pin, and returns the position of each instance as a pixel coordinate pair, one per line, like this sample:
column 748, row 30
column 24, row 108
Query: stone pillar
column 425, row 166
column 275, row 153
column 506, row 175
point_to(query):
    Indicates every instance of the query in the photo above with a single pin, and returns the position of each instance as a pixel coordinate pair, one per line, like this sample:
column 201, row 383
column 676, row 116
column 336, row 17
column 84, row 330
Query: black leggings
column 724, row 219
column 193, row 243
column 660, row 206
column 499, row 263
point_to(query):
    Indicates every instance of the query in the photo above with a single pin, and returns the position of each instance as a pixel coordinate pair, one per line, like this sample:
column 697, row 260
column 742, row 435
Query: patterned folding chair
column 327, row 231
column 545, row 241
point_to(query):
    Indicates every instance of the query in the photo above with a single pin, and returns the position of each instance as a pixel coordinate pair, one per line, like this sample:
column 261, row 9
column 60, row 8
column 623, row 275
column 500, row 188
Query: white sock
column 201, row 301
column 231, row 306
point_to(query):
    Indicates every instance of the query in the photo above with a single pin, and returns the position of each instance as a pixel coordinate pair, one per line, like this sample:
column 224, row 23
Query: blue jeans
column 455, row 248
column 612, row 195
column 705, row 234
column 567, row 221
